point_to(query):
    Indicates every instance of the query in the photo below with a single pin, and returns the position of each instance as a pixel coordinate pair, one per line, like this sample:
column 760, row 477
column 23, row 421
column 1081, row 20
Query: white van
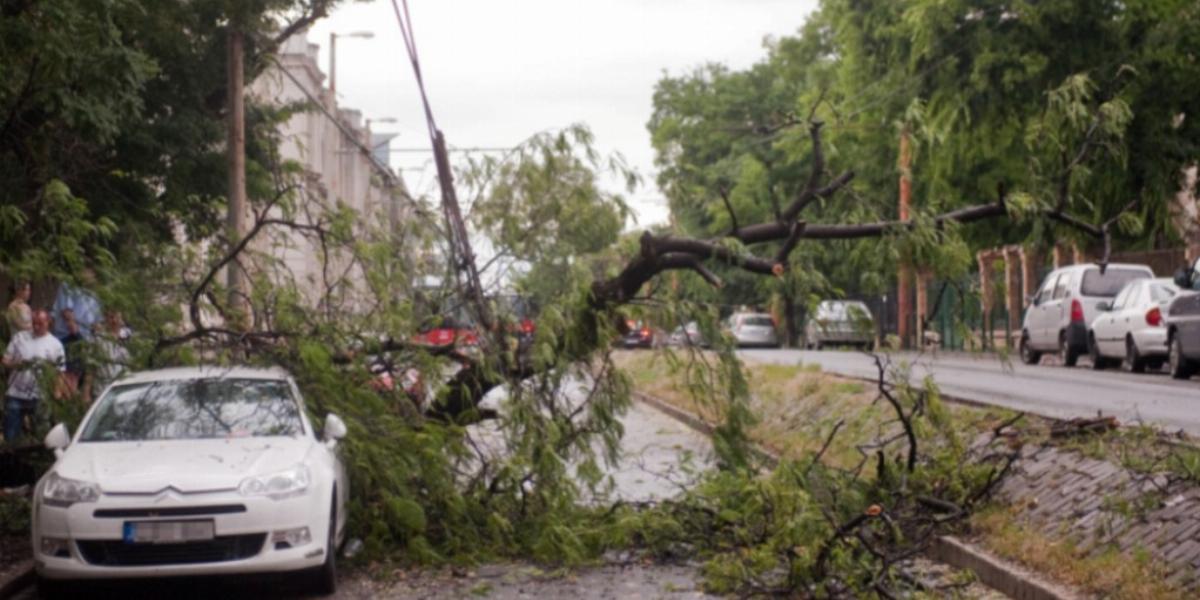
column 1058, row 316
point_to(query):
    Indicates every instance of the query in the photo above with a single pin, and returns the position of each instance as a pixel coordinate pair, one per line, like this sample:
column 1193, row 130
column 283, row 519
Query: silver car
column 753, row 329
column 687, row 335
column 1131, row 329
column 840, row 322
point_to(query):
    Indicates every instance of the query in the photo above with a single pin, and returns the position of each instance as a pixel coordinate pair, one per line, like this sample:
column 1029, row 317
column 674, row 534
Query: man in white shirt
column 28, row 353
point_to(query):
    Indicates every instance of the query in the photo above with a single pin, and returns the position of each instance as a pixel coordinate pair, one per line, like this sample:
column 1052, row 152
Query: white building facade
column 341, row 169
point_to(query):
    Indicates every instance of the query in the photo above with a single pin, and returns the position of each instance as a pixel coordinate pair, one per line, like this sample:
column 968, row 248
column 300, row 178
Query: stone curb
column 21, row 577
column 699, row 424
column 997, row 573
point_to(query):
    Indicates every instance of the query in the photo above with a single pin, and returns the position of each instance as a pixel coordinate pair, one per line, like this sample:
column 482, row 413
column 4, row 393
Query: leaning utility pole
column 236, row 152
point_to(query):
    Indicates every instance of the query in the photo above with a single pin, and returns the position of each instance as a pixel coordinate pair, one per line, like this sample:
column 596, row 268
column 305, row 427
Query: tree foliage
column 115, row 168
column 1027, row 95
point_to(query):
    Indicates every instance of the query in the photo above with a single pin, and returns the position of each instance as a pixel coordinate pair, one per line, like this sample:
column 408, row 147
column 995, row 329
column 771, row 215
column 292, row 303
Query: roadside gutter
column 1001, row 575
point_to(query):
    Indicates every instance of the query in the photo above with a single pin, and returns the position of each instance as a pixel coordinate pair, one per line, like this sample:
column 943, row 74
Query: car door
column 1185, row 314
column 1035, row 314
column 1115, row 322
column 1133, row 313
column 1045, row 315
column 1103, row 326
column 1058, row 310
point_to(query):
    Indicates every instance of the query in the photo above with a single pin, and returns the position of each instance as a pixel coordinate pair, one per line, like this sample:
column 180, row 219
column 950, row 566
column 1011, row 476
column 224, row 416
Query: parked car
column 192, row 471
column 687, row 335
column 1183, row 324
column 447, row 330
column 642, row 335
column 1131, row 329
column 1065, row 305
column 840, row 322
column 753, row 329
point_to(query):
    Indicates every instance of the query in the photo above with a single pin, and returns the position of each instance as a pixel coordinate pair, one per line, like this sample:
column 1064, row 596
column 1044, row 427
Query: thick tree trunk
column 790, row 323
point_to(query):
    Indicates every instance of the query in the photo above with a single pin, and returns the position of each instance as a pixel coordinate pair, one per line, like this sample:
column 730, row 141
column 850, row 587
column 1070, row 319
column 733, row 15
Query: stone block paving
column 1102, row 506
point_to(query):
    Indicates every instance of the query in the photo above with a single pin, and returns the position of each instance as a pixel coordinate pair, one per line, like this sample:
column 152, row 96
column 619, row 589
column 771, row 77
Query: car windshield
column 1161, row 292
column 842, row 311
column 195, row 409
column 758, row 320
column 1110, row 283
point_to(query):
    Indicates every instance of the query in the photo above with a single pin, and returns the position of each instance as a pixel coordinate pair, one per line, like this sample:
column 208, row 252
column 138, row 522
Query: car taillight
column 645, row 332
column 1154, row 317
column 1076, row 311
column 527, row 326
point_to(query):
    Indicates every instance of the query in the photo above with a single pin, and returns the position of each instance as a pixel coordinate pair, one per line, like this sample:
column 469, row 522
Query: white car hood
column 188, row 466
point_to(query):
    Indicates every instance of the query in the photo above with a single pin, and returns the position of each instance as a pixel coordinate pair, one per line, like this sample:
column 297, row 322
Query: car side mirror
column 58, row 439
column 1183, row 278
column 1103, row 306
column 335, row 429
column 1033, row 300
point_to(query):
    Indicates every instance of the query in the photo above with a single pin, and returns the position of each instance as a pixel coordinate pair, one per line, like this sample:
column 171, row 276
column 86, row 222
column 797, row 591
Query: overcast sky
column 497, row 72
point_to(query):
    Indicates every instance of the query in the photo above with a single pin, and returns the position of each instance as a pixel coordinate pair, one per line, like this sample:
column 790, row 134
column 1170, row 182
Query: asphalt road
column 1050, row 390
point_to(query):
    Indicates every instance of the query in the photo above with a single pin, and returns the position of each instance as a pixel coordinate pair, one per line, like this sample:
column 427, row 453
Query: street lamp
column 365, row 35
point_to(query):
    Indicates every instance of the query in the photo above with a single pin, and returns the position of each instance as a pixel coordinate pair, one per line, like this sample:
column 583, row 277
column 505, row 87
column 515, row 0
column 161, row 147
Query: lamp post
column 365, row 35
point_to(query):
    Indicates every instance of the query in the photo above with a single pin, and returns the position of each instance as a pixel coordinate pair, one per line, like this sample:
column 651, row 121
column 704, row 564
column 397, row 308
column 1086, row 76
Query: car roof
column 205, row 372
column 1085, row 266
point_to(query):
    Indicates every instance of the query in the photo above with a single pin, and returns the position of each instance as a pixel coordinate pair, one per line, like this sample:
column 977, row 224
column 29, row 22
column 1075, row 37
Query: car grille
column 177, row 511
column 115, row 553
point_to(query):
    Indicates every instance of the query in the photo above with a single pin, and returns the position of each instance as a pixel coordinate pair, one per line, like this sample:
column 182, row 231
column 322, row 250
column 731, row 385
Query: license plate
column 167, row 532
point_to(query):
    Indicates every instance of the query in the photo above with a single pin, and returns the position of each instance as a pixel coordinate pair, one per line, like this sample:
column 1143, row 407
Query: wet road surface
column 1049, row 390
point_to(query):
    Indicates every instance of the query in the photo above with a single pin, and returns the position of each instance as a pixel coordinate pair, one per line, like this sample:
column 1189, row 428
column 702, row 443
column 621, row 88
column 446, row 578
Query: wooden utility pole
column 905, row 275
column 333, row 64
column 236, row 153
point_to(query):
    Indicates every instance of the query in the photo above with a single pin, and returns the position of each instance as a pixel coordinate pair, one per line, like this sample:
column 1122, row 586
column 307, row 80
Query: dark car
column 641, row 335
column 1183, row 324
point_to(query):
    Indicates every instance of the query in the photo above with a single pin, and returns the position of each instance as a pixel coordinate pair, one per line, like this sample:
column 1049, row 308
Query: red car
column 447, row 331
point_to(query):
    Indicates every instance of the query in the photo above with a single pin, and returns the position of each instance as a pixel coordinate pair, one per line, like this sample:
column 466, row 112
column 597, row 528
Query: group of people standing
column 71, row 350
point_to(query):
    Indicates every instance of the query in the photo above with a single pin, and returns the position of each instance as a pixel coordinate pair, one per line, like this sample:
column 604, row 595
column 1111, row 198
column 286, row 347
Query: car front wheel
column 1066, row 353
column 1029, row 356
column 1134, row 361
column 1180, row 367
column 325, row 576
column 1098, row 360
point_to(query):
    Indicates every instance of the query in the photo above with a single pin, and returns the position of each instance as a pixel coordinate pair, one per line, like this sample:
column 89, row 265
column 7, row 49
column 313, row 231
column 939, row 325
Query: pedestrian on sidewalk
column 27, row 354
column 19, row 314
column 81, row 301
column 112, row 354
column 73, row 346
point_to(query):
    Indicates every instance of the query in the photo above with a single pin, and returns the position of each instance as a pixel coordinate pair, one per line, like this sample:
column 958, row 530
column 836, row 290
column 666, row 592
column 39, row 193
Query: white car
column 1132, row 328
column 192, row 471
column 840, row 322
column 753, row 329
column 1065, row 305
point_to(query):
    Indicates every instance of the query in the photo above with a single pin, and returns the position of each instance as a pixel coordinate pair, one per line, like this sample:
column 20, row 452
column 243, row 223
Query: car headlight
column 61, row 491
column 283, row 484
